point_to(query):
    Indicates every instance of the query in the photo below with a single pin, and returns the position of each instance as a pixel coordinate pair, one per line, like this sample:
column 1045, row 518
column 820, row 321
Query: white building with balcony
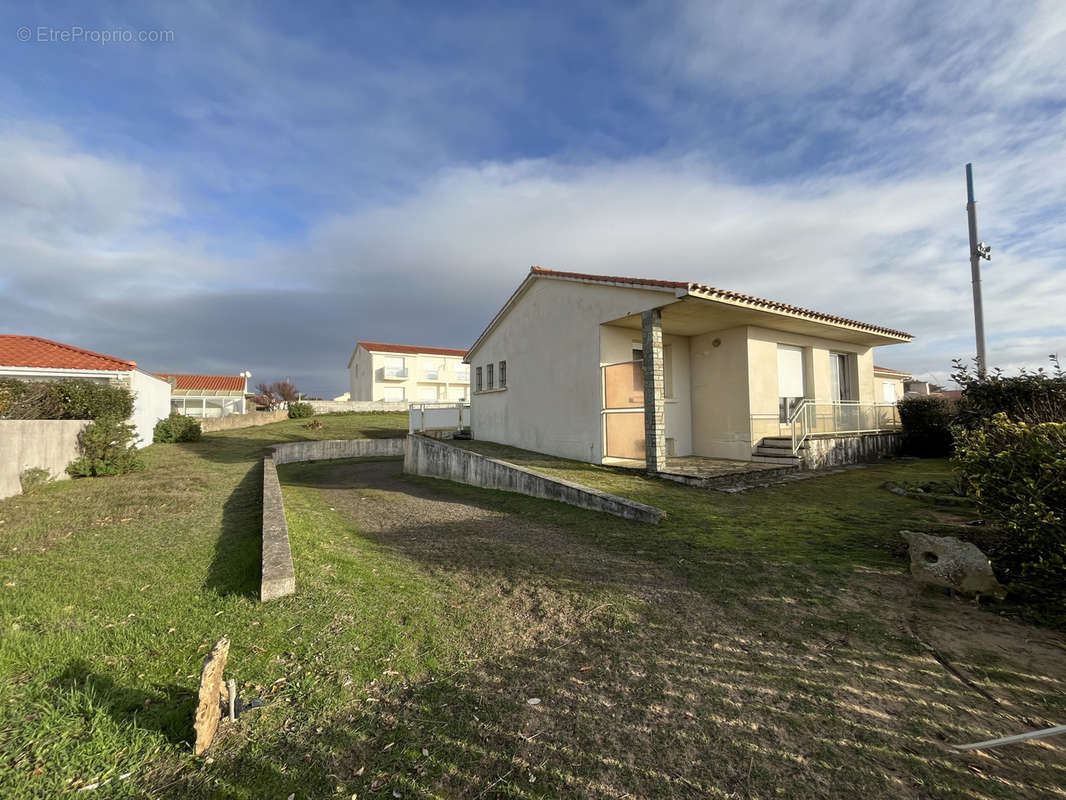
column 399, row 373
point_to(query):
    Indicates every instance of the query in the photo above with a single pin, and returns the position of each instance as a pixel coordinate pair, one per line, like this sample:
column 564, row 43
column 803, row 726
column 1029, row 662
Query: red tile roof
column 889, row 369
column 225, row 383
column 723, row 294
column 381, row 347
column 32, row 351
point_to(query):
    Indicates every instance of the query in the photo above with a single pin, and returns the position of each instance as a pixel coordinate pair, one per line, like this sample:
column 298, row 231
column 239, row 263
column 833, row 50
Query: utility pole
column 978, row 250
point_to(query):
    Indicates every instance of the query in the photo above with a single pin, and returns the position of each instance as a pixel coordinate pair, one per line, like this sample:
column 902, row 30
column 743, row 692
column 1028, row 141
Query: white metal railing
column 423, row 417
column 395, row 372
column 813, row 417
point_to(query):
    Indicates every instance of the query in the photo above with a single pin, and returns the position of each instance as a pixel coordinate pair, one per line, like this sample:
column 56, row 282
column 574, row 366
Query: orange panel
column 625, row 435
column 623, row 385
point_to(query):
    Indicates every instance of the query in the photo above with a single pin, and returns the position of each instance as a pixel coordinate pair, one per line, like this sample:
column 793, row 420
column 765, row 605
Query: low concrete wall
column 278, row 577
column 249, row 420
column 837, row 451
column 435, row 459
column 290, row 452
column 337, row 406
column 49, row 444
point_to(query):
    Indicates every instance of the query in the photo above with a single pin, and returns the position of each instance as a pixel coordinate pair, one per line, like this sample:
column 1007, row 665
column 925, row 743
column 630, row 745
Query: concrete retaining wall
column 49, row 444
column 838, row 451
column 435, row 459
column 249, row 420
column 290, row 452
column 337, row 406
column 278, row 577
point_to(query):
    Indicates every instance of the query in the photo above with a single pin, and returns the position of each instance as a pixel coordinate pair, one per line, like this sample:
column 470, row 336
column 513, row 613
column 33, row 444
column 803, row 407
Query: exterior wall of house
column 888, row 386
column 550, row 340
column 617, row 345
column 368, row 382
column 360, row 376
column 151, row 403
column 721, row 426
column 762, row 377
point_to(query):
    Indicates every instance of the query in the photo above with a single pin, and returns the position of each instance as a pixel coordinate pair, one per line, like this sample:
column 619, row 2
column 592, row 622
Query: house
column 607, row 369
column 34, row 359
column 891, row 384
column 406, row 373
column 207, row 396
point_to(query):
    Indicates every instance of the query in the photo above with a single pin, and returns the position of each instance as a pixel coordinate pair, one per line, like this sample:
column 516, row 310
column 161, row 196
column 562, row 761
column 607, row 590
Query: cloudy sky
column 269, row 183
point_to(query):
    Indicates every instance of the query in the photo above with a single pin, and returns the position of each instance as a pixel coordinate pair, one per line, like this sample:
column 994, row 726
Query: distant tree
column 272, row 395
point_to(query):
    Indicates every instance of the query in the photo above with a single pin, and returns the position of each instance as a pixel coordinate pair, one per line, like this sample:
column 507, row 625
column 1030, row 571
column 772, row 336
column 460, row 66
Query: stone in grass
column 952, row 563
column 212, row 693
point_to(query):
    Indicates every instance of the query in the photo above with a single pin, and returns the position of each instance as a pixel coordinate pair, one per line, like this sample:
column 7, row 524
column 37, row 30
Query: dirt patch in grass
column 757, row 680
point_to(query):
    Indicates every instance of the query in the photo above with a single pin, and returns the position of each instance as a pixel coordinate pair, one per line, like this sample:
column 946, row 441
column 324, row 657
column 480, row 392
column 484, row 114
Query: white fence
column 424, row 417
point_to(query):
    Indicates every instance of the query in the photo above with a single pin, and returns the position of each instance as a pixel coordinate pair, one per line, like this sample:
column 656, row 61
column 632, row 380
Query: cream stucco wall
column 367, row 382
column 550, row 339
column 720, row 418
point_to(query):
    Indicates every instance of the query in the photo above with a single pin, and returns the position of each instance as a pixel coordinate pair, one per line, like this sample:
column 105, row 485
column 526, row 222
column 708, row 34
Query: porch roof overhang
column 697, row 311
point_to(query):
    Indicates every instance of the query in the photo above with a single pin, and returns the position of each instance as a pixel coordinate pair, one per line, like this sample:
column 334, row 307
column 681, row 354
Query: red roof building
column 36, row 353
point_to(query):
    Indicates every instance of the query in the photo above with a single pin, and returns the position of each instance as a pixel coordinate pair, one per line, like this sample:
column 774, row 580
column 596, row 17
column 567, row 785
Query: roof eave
column 880, row 333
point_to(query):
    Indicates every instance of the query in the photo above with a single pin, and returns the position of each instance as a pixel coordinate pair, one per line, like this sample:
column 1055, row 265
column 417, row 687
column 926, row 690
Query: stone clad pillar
column 654, row 389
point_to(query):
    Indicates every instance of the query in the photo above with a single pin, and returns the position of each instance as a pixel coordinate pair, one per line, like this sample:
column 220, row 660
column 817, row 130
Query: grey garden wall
column 837, row 451
column 335, row 406
column 249, row 420
column 278, row 577
column 435, row 459
column 290, row 452
column 49, row 444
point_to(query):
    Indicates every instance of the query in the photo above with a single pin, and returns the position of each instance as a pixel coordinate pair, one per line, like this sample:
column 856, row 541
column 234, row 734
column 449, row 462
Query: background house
column 33, row 358
column 407, row 373
column 207, row 396
column 595, row 368
column 891, row 384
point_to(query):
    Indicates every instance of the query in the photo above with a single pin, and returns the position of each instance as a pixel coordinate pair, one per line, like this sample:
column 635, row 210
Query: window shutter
column 789, row 371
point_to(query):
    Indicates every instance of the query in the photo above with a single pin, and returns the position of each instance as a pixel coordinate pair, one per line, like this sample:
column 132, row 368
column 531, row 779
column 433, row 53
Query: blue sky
column 273, row 182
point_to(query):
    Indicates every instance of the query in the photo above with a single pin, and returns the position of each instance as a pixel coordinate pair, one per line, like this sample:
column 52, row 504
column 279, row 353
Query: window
column 790, row 388
column 394, row 394
column 488, row 376
column 888, row 391
column 503, row 374
column 395, row 368
column 477, row 379
column 427, row 394
column 840, row 377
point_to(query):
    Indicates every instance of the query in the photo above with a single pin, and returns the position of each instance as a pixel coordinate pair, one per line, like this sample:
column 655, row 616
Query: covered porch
column 700, row 387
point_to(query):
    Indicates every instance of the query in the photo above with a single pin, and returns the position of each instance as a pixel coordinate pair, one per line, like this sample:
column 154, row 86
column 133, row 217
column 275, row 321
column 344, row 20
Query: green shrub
column 301, row 410
column 106, row 448
column 1031, row 397
column 34, row 478
column 65, row 399
column 177, row 428
column 927, row 425
column 1016, row 473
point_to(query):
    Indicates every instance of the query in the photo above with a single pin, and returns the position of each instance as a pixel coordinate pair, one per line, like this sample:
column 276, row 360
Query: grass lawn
column 753, row 645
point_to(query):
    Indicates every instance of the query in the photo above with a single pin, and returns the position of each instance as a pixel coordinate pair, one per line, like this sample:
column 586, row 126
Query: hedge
column 63, row 399
column 1016, row 473
column 927, row 425
column 301, row 410
column 177, row 428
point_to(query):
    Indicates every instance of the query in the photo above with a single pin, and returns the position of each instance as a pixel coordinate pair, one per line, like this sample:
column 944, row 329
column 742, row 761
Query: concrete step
column 778, row 443
column 785, row 460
